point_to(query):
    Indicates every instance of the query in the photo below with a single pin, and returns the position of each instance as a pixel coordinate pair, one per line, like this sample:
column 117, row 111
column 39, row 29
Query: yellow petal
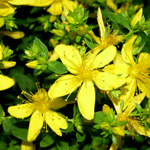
column 105, row 109
column 70, row 5
column 70, row 57
column 25, row 145
column 6, row 82
column 137, row 17
column 97, row 39
column 7, row 64
column 101, row 24
column 35, row 125
column 6, row 9
column 116, row 102
column 2, row 22
column 118, row 69
column 144, row 59
column 59, row 103
column 21, row 111
column 14, row 35
column 64, row 85
column 39, row 3
column 111, row 4
column 140, row 129
column 32, row 64
column 86, row 99
column 127, row 51
column 55, row 8
column 144, row 85
column 105, row 57
column 106, row 81
column 136, row 99
column 55, row 122
column 118, row 131
column 118, row 59
column 128, row 91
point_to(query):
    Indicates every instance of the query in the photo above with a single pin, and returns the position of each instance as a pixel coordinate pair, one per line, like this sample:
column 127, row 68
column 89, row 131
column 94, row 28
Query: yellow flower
column 137, row 74
column 56, row 8
column 83, row 73
column 25, row 145
column 42, row 110
column 6, row 9
column 14, row 35
column 104, row 41
column 133, row 124
column 137, row 17
column 6, row 82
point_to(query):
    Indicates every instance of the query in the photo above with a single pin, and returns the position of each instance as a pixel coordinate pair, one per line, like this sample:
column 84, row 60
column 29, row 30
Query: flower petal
column 137, row 17
column 144, row 85
column 55, row 122
column 144, row 60
column 127, row 51
column 6, row 82
column 118, row 59
column 101, row 24
column 139, row 128
column 70, row 57
column 6, row 9
column 106, row 81
column 25, row 145
column 35, row 125
column 86, row 99
column 39, row 3
column 118, row 69
column 128, row 91
column 136, row 99
column 111, row 4
column 59, row 103
column 21, row 111
column 105, row 57
column 69, row 5
column 64, row 85
column 55, row 8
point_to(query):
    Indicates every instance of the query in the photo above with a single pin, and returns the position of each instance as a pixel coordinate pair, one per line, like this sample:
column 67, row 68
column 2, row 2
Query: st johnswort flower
column 84, row 74
column 56, row 6
column 104, row 40
column 41, row 109
column 137, row 73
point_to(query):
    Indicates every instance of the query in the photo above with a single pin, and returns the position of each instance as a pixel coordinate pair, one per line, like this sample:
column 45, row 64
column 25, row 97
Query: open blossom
column 104, row 40
column 84, row 74
column 137, row 73
column 41, row 109
column 56, row 6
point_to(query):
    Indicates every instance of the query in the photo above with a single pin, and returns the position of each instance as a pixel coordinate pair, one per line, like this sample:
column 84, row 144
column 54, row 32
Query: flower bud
column 32, row 64
column 118, row 131
column 70, row 20
column 106, row 109
column 58, row 32
column 104, row 126
column 7, row 64
column 1, row 22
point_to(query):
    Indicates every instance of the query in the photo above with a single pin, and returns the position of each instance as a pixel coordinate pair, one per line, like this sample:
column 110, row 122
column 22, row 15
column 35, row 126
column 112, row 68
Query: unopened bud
column 104, row 126
column 7, row 64
column 118, row 131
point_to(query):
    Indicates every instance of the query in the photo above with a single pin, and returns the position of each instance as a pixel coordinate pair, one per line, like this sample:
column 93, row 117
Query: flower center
column 85, row 73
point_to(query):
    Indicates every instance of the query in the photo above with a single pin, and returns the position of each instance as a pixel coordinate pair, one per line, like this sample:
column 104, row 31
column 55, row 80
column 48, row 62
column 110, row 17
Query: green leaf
column 24, row 82
column 1, row 111
column 47, row 141
column 20, row 133
column 57, row 67
column 43, row 51
column 112, row 17
column 80, row 136
column 114, row 139
column 121, row 123
column 89, row 43
column 62, row 145
column 98, row 117
column 124, row 21
column 6, row 124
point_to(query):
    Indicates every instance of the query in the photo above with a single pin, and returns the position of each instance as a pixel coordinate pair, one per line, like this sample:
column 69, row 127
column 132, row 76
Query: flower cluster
column 92, row 60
